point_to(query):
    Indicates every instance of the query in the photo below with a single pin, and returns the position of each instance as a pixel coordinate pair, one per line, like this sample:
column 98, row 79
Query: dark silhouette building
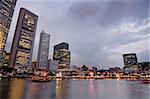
column 130, row 61
column 23, row 42
column 61, row 46
column 6, row 14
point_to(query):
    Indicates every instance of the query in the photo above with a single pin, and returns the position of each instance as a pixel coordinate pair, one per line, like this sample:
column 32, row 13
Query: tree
column 84, row 68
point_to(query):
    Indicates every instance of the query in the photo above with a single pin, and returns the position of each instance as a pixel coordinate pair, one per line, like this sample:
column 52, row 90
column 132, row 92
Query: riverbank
column 84, row 77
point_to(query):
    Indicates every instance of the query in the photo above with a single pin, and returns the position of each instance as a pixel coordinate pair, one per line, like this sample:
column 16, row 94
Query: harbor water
column 74, row 89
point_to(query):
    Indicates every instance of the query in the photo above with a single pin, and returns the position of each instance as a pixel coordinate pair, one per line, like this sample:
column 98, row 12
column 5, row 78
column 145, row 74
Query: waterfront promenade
column 147, row 77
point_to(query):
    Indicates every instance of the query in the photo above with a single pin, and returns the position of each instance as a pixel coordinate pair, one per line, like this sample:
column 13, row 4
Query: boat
column 42, row 77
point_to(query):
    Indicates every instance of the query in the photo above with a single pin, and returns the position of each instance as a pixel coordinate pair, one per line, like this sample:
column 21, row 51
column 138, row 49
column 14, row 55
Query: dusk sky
column 98, row 31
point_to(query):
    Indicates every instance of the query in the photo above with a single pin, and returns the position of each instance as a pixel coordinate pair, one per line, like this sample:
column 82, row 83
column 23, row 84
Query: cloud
column 109, row 12
column 137, row 42
column 129, row 31
column 132, row 47
column 136, row 26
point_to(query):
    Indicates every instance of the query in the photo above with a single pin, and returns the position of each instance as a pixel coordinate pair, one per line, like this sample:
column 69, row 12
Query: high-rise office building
column 43, row 51
column 23, row 42
column 6, row 14
column 62, row 53
column 130, row 60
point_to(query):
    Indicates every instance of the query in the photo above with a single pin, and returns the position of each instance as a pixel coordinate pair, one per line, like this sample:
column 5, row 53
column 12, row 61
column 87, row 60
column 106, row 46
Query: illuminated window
column 22, row 58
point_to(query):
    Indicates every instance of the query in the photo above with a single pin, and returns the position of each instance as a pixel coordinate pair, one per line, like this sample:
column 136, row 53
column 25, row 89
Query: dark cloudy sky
column 98, row 31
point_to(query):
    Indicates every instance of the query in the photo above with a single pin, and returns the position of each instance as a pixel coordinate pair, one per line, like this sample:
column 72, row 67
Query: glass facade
column 43, row 51
column 53, row 65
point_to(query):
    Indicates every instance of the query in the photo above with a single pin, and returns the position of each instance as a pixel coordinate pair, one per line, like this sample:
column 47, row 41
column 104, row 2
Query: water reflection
column 16, row 89
column 4, row 89
column 36, row 90
column 138, row 90
column 74, row 89
column 91, row 89
column 62, row 89
column 48, row 90
column 11, row 89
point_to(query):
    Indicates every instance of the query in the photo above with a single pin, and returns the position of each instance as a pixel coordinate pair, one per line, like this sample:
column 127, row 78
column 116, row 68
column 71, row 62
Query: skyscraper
column 6, row 13
column 43, row 51
column 62, row 53
column 130, row 61
column 23, row 42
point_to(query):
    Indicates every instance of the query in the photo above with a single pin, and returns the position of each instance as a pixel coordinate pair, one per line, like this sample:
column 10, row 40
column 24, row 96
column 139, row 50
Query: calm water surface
column 74, row 89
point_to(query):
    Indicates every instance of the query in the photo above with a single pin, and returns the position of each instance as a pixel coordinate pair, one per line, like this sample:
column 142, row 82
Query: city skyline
column 92, row 29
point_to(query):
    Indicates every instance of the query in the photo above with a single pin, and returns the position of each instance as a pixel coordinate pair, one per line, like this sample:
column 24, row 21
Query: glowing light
column 91, row 87
column 44, row 74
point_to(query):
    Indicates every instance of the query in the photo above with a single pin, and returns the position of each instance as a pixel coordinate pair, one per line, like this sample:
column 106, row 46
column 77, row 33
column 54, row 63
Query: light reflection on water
column 74, row 89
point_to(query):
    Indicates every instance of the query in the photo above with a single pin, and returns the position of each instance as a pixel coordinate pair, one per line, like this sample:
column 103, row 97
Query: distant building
column 6, row 13
column 130, row 61
column 74, row 68
column 62, row 53
column 115, row 69
column 23, row 42
column 53, row 65
column 43, row 51
column 144, row 66
column 94, row 69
